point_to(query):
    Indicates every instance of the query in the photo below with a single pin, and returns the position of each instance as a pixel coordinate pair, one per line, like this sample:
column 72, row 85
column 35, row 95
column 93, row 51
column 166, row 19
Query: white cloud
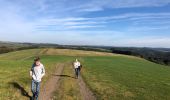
column 98, row 22
column 41, row 21
column 99, row 5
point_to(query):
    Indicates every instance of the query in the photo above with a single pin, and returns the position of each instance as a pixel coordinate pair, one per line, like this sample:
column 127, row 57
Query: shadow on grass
column 22, row 90
column 64, row 76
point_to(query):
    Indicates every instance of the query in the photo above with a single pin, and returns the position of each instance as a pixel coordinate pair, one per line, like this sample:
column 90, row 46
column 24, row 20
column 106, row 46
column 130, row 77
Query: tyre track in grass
column 86, row 93
column 52, row 83
column 38, row 53
column 66, row 71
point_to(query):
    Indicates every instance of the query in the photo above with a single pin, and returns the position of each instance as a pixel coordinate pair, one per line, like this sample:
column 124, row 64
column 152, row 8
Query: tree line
column 154, row 55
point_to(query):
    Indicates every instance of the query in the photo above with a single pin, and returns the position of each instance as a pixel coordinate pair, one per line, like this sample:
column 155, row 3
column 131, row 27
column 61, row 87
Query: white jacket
column 37, row 72
column 76, row 64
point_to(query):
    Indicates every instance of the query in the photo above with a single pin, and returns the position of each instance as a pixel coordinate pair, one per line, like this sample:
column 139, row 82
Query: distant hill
column 162, row 49
column 19, row 45
column 157, row 55
column 12, row 44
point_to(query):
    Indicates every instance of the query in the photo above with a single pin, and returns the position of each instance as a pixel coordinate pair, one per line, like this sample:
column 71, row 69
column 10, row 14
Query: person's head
column 37, row 61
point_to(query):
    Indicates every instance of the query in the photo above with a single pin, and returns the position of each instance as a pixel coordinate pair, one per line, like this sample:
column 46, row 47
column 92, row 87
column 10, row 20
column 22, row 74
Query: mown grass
column 124, row 78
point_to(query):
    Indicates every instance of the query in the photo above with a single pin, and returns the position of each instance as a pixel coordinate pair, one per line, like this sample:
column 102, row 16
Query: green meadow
column 14, row 72
column 109, row 76
column 123, row 78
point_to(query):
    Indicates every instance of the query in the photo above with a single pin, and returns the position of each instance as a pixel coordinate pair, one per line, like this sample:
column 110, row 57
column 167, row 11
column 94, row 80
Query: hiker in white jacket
column 37, row 72
column 77, row 65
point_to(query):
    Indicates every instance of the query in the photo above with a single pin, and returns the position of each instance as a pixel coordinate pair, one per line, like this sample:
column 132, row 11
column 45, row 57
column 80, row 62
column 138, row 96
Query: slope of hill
column 123, row 78
column 109, row 76
column 157, row 55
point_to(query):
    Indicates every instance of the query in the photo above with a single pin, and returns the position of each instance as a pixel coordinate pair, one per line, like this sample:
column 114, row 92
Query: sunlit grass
column 126, row 78
column 114, row 77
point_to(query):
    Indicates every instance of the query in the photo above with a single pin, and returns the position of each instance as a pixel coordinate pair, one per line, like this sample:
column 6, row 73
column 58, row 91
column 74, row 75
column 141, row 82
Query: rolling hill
column 109, row 76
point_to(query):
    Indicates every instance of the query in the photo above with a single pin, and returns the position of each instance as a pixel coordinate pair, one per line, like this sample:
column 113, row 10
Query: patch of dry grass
column 70, row 52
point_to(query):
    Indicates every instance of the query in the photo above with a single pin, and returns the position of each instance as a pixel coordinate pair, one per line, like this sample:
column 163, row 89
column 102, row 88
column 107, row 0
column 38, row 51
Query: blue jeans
column 35, row 88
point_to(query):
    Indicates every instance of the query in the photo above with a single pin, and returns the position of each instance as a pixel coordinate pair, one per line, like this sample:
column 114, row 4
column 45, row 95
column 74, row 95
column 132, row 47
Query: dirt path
column 52, row 83
column 86, row 93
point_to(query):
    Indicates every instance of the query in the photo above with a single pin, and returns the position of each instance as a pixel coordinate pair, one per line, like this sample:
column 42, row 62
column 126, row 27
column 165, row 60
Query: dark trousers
column 77, row 72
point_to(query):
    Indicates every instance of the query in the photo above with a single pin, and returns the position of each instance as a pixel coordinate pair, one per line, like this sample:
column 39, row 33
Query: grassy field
column 14, row 72
column 109, row 76
column 20, row 55
column 123, row 78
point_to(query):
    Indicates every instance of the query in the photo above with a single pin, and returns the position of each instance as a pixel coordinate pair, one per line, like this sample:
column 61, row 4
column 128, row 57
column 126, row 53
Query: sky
column 129, row 23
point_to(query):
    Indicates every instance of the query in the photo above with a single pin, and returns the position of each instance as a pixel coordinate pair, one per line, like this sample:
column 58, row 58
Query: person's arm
column 43, row 71
column 31, row 71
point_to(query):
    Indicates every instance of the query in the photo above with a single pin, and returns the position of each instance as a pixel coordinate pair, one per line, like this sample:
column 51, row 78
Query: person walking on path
column 77, row 68
column 37, row 72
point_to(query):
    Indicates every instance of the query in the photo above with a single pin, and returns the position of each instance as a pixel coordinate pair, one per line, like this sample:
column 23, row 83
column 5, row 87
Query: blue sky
column 139, row 23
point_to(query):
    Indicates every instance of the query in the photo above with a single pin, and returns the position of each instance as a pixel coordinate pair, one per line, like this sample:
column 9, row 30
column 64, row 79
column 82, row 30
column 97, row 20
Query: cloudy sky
column 141, row 23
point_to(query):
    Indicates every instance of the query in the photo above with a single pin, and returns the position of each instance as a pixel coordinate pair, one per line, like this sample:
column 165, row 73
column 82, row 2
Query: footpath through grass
column 68, row 87
column 124, row 78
